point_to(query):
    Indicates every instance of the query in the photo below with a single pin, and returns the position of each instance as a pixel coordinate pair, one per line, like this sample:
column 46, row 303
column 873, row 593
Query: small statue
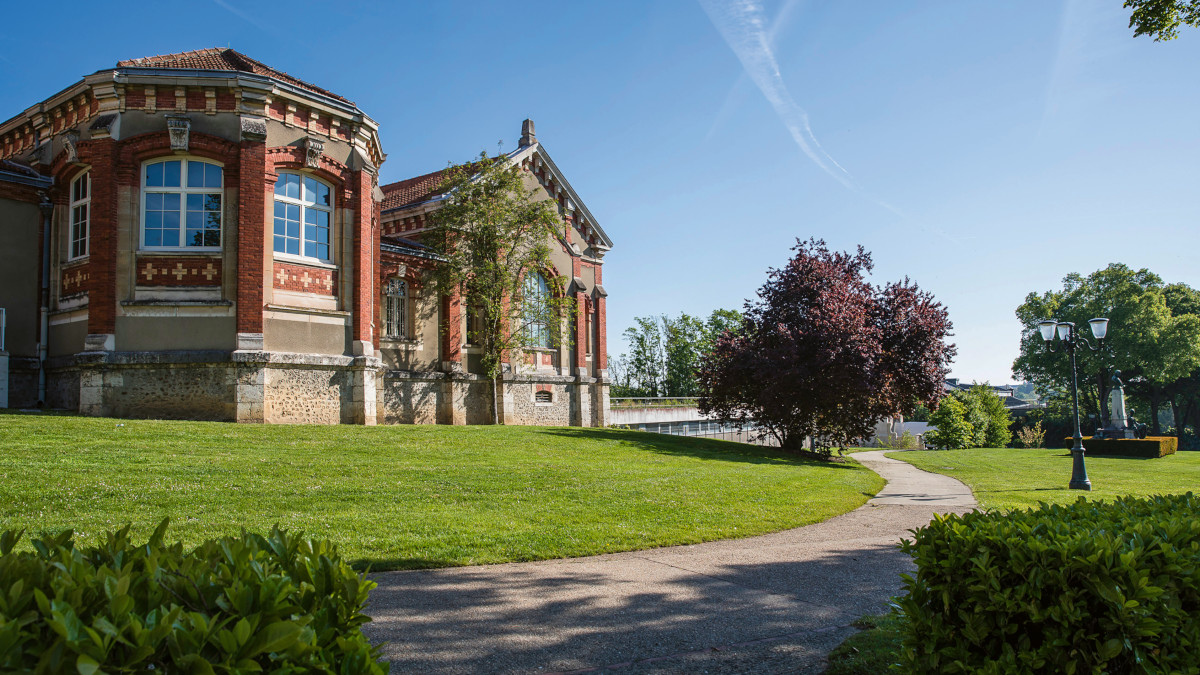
column 1116, row 401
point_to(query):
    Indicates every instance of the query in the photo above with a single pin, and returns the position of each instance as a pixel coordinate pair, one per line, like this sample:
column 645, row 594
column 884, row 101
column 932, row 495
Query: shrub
column 905, row 441
column 1151, row 446
column 1031, row 437
column 244, row 603
column 952, row 430
column 1084, row 588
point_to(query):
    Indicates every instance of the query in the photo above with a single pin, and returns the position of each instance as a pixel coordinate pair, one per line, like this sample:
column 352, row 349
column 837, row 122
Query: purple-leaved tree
column 823, row 354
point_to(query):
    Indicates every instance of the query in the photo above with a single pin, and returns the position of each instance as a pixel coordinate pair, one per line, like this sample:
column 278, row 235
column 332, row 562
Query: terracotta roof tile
column 413, row 190
column 216, row 58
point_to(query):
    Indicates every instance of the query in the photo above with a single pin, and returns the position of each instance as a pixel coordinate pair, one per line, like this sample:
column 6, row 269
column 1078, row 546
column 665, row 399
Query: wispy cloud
column 743, row 25
column 240, row 14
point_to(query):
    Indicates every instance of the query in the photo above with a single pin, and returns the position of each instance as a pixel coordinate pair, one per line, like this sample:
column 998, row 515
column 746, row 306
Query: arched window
column 181, row 204
column 303, row 211
column 395, row 309
column 536, row 311
column 81, row 206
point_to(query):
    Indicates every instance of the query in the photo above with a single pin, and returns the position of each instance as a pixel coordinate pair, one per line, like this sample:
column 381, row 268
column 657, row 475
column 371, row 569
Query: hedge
column 246, row 603
column 1151, row 446
column 1086, row 588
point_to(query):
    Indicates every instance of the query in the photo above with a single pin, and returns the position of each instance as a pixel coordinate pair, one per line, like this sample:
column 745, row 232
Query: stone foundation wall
column 307, row 395
column 560, row 412
column 156, row 385
column 22, row 382
column 307, row 389
column 62, row 388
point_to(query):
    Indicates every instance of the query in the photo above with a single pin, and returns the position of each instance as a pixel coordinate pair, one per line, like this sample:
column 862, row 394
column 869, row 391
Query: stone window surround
column 183, row 191
column 79, row 228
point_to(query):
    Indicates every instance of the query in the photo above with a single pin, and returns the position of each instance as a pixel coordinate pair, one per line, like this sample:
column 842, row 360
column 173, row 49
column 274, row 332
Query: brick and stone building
column 201, row 236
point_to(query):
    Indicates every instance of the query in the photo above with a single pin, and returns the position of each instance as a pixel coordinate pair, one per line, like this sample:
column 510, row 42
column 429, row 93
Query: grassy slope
column 411, row 496
column 1008, row 478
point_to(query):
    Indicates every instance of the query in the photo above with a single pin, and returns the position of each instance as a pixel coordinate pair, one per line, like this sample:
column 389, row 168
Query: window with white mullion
column 81, row 207
column 395, row 320
column 181, row 204
column 303, row 213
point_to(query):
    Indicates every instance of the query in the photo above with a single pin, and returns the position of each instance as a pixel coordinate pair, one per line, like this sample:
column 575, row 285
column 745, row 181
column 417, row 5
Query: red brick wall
column 102, row 155
column 135, row 98
column 226, row 100
column 362, row 204
column 601, row 332
column 452, row 337
column 304, row 279
column 164, row 98
column 252, row 218
column 195, row 99
column 178, row 271
column 73, row 280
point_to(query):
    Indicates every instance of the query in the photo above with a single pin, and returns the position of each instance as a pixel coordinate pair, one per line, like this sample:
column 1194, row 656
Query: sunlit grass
column 1008, row 478
column 411, row 496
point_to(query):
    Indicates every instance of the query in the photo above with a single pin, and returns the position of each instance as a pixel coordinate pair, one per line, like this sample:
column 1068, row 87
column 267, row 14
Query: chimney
column 528, row 138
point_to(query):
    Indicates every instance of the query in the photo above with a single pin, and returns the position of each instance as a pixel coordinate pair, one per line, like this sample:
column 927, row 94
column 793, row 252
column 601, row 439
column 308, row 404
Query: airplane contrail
column 743, row 25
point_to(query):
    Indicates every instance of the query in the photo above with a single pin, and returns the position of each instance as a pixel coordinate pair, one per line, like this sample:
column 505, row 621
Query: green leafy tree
column 1161, row 19
column 949, row 428
column 991, row 419
column 683, row 342
column 720, row 322
column 494, row 233
column 1150, row 346
column 647, row 357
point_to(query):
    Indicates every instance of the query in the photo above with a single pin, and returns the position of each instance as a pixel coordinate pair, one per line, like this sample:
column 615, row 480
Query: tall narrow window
column 395, row 309
column 81, row 208
column 303, row 210
column 536, row 311
column 181, row 204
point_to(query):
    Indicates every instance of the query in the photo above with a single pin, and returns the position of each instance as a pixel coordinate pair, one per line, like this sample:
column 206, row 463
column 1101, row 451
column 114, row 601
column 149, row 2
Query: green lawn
column 411, row 496
column 1007, row 478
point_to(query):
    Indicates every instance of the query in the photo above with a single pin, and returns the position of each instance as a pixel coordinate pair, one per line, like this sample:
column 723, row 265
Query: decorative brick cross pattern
column 179, row 271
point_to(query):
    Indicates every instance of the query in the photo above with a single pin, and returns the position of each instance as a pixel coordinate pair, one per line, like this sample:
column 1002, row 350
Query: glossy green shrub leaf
column 1091, row 587
column 250, row 603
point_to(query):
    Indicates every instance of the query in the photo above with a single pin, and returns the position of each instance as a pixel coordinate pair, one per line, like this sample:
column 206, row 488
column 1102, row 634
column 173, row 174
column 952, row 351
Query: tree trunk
column 1155, row 399
column 496, row 400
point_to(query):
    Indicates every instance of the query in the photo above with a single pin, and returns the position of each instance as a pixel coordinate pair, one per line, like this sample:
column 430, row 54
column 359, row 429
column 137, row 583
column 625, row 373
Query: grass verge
column 871, row 651
column 411, row 496
column 1010, row 478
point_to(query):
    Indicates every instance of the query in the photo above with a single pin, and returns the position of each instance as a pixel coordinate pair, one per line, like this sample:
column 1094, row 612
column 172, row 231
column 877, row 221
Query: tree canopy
column 1161, row 19
column 665, row 352
column 494, row 233
column 823, row 354
column 1151, row 345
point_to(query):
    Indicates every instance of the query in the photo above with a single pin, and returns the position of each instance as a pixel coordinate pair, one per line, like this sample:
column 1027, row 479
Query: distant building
column 202, row 236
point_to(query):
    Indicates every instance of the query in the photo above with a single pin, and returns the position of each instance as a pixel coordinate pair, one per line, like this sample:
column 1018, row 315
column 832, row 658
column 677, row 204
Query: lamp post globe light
column 1071, row 340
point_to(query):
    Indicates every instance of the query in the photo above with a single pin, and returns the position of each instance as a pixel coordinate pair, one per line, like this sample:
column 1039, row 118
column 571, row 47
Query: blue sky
column 982, row 149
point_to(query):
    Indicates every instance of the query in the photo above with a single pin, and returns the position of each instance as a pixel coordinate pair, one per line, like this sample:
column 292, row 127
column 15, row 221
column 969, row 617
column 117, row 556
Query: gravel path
column 768, row 604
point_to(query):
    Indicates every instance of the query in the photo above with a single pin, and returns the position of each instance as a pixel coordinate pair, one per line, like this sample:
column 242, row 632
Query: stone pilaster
column 363, row 401
column 453, row 405
column 251, row 387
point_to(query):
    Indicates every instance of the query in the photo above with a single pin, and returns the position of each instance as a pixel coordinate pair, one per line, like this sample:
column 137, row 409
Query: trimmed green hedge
column 1087, row 588
column 251, row 603
column 1151, row 446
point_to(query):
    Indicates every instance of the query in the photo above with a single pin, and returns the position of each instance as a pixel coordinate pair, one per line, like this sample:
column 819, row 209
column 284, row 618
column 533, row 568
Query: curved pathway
column 772, row 603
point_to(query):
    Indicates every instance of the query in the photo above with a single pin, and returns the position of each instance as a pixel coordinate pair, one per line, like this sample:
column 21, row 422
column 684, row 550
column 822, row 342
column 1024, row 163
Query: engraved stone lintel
column 254, row 129
column 179, row 128
column 312, row 152
column 71, row 145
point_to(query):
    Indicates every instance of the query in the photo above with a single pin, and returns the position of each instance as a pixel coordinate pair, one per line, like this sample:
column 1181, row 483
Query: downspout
column 47, row 209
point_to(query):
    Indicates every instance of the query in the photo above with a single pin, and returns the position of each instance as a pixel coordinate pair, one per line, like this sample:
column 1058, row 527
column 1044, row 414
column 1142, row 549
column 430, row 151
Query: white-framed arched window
column 81, row 215
column 395, row 309
column 303, row 213
column 536, row 310
column 181, row 204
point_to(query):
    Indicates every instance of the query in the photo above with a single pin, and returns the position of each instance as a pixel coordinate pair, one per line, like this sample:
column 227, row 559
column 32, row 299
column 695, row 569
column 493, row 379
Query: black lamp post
column 1071, row 340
